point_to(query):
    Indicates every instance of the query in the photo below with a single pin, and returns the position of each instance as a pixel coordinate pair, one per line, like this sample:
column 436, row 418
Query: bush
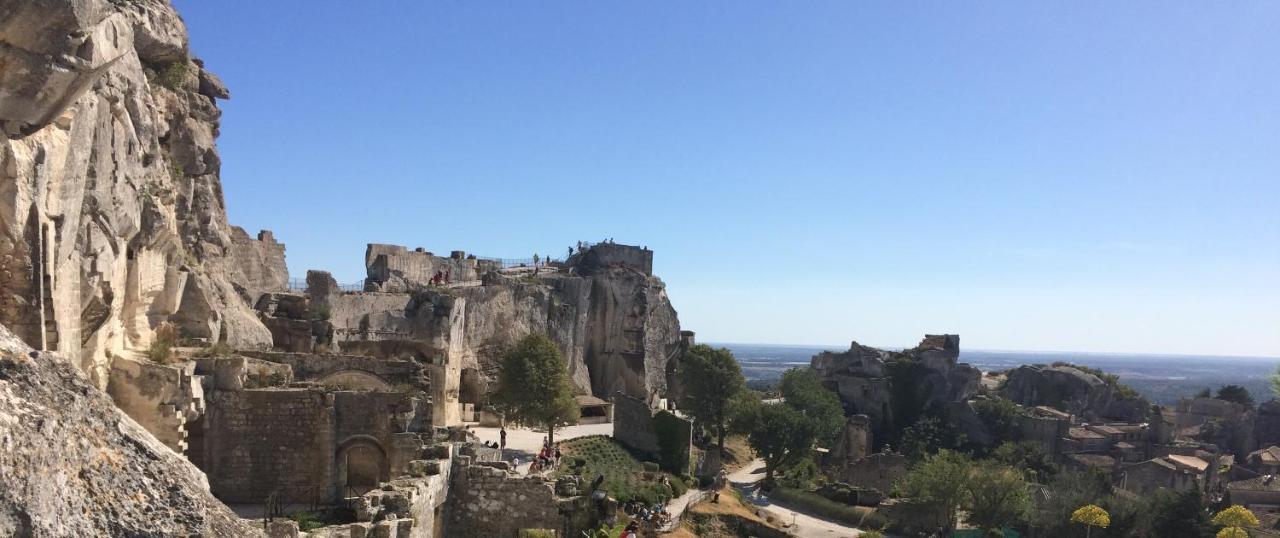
column 162, row 341
column 857, row 516
column 536, row 533
column 307, row 521
column 650, row 467
column 172, row 75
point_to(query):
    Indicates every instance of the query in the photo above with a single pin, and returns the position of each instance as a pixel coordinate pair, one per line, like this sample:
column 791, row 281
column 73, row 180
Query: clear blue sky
column 1079, row 176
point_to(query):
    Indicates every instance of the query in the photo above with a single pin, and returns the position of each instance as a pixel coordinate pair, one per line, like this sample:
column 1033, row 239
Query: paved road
column 801, row 525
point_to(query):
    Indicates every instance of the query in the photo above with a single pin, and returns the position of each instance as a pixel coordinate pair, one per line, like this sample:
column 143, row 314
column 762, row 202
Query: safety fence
column 300, row 284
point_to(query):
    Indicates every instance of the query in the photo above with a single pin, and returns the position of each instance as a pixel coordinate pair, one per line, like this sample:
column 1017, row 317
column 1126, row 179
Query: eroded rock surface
column 72, row 464
column 112, row 218
column 1074, row 390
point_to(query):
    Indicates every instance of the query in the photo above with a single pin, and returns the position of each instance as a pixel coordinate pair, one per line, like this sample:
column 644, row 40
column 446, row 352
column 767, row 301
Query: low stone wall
column 383, row 374
column 878, row 471
column 662, row 436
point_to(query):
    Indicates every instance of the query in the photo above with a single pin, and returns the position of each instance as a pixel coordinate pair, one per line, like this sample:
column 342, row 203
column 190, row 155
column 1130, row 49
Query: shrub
column 172, row 75
column 650, row 467
column 162, row 341
column 857, row 516
column 307, row 521
column 536, row 533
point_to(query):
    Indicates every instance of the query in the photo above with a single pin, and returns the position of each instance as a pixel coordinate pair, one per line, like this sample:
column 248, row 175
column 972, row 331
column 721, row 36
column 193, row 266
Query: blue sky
column 1076, row 176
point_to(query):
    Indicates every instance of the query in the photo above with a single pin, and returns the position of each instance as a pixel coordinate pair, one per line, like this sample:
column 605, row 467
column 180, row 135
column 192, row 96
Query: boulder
column 72, row 464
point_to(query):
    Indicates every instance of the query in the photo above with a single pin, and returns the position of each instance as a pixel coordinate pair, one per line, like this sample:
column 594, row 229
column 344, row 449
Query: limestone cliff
column 610, row 316
column 72, row 464
column 112, row 218
column 895, row 388
column 1089, row 394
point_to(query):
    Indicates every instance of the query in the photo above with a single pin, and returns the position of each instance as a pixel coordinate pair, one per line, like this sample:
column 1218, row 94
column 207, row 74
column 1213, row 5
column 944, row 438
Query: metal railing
column 300, row 284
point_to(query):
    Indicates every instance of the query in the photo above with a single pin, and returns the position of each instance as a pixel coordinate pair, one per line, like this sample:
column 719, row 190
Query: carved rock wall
column 111, row 210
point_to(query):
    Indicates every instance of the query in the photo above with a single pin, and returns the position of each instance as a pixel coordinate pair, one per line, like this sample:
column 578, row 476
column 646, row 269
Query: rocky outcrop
column 613, row 321
column 112, row 218
column 1074, row 390
column 882, row 384
column 72, row 464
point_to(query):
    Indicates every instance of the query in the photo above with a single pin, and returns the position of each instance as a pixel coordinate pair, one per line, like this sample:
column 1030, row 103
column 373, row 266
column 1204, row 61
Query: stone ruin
column 115, row 235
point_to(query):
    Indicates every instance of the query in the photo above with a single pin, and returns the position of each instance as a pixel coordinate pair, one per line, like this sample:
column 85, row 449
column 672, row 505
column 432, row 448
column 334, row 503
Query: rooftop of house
column 1261, row 483
column 1093, row 460
column 1266, row 456
column 1083, row 433
column 1188, row 462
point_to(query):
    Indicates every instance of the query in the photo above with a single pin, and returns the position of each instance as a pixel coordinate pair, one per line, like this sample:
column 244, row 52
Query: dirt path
column 798, row 524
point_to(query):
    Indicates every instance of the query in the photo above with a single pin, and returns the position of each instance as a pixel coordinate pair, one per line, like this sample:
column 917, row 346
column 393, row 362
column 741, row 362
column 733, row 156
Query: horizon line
column 1030, row 351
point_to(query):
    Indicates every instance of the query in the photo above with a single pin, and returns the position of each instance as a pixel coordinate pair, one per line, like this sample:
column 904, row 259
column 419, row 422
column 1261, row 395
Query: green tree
column 782, row 436
column 1091, row 516
column 1275, row 382
column 1237, row 394
column 1234, row 521
column 941, row 480
column 533, row 385
column 803, row 390
column 1000, row 417
column 997, row 497
column 1179, row 515
column 711, row 379
column 1029, row 456
column 927, row 436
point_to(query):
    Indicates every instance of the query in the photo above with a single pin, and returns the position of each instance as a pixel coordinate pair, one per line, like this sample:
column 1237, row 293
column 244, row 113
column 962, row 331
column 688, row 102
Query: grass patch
column 857, row 516
column 162, row 341
column 625, row 477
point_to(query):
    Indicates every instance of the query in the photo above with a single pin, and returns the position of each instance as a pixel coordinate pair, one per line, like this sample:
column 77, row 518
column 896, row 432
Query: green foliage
column 1237, row 394
column 307, row 521
column 537, row 533
column 744, row 412
column 1068, row 492
column 1029, row 456
column 803, row 390
column 940, row 480
column 172, row 75
column 711, row 378
column 1179, row 515
column 997, row 497
column 800, row 475
column 533, row 385
column 858, row 516
column 1000, row 417
column 163, row 339
column 782, row 437
column 928, row 436
column 624, row 474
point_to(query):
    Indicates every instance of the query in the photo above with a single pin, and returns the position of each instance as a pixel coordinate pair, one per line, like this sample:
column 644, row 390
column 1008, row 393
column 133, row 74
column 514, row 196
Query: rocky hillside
column 112, row 218
column 72, row 464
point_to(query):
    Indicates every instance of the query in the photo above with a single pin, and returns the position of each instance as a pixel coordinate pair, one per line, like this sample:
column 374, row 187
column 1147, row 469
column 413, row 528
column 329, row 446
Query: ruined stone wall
column 160, row 398
column 262, row 441
column 485, row 502
column 393, row 268
column 259, row 265
column 879, row 471
column 633, row 424
column 331, row 367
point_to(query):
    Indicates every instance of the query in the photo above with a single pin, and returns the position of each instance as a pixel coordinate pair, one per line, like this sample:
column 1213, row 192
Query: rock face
column 111, row 210
column 1073, row 390
column 610, row 316
column 72, row 464
column 880, row 383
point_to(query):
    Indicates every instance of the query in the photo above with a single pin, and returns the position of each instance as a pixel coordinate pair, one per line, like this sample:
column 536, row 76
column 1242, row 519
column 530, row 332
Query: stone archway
column 362, row 465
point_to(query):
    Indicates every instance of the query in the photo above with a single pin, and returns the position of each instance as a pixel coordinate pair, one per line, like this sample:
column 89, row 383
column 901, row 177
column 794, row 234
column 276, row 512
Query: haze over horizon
column 1032, row 177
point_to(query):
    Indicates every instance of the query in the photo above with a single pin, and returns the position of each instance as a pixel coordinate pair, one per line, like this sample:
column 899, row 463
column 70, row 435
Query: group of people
column 441, row 277
column 548, row 458
column 656, row 514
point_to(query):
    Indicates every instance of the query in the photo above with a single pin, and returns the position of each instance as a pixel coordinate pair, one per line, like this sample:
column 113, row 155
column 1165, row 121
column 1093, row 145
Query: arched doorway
column 362, row 466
